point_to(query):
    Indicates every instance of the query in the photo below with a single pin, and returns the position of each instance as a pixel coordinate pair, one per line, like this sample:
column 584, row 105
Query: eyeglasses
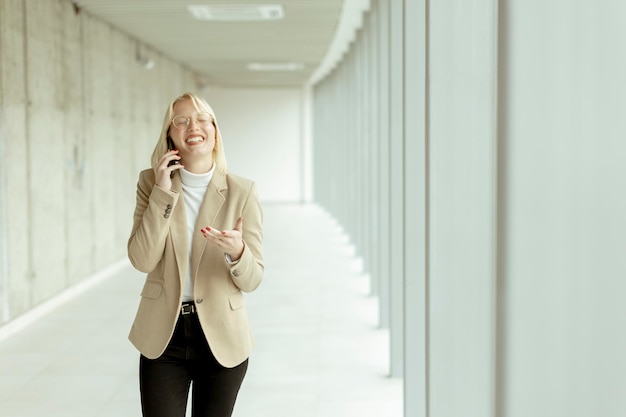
column 181, row 121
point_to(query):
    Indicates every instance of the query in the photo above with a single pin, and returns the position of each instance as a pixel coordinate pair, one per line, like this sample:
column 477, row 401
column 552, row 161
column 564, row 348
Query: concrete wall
column 78, row 119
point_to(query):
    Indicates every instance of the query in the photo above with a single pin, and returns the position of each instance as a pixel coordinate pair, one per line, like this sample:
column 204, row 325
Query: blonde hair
column 219, row 158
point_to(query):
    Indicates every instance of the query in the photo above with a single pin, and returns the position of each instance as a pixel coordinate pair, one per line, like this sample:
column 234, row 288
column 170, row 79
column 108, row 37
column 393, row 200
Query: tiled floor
column 319, row 352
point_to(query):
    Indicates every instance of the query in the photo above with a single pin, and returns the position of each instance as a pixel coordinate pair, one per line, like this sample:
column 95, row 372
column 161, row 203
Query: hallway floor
column 319, row 352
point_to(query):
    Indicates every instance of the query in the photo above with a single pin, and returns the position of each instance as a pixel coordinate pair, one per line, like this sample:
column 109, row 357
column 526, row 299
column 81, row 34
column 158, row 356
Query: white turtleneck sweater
column 194, row 188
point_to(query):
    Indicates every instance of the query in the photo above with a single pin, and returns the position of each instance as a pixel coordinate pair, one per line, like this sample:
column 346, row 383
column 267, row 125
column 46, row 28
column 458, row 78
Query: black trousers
column 164, row 382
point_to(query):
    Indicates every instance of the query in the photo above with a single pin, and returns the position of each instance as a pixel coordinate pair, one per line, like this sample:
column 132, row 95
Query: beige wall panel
column 166, row 75
column 46, row 149
column 122, row 174
column 122, row 50
column 151, row 109
column 100, row 137
column 14, row 159
column 151, row 95
column 169, row 76
column 98, row 66
column 43, row 45
column 79, row 120
column 78, row 218
column 183, row 80
column 47, row 183
column 103, row 182
column 137, row 133
column 144, row 131
column 148, row 112
column 143, row 136
column 90, row 33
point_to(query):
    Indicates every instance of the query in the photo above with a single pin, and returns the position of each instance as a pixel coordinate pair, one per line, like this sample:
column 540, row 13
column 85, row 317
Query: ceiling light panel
column 275, row 66
column 237, row 12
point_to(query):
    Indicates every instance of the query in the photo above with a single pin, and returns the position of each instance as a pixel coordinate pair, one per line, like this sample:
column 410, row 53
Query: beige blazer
column 158, row 245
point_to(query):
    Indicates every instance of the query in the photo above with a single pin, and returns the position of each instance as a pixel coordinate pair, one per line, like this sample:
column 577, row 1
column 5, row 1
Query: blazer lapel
column 178, row 231
column 211, row 205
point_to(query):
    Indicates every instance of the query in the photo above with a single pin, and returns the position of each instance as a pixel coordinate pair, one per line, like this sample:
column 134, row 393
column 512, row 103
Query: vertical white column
column 396, row 185
column 306, row 156
column 383, row 180
column 461, row 112
column 4, row 236
column 4, row 221
column 565, row 201
column 416, row 209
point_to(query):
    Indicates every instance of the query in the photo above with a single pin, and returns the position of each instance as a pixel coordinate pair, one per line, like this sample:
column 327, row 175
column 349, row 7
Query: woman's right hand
column 162, row 172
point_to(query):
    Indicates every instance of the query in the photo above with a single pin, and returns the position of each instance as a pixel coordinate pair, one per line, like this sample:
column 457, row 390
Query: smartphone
column 170, row 146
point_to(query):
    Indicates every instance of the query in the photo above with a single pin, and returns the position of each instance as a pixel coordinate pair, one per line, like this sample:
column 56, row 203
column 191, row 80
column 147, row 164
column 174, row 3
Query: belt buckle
column 187, row 309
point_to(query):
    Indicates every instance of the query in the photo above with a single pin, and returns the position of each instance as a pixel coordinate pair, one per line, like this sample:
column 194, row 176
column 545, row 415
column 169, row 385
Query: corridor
column 319, row 352
column 442, row 184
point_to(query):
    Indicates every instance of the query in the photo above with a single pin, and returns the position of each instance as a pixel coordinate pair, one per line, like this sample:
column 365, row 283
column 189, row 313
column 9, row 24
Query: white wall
column 510, row 222
column 462, row 183
column 264, row 139
column 564, row 208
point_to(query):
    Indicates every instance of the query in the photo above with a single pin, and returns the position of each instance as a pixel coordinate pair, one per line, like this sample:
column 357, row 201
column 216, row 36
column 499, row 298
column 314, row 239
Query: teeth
column 194, row 139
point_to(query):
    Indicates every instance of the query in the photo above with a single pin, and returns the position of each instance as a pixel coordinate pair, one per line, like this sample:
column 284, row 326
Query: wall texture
column 78, row 120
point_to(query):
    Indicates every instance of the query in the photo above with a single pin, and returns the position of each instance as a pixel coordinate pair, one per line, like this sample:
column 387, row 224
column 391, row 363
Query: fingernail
column 208, row 228
column 223, row 233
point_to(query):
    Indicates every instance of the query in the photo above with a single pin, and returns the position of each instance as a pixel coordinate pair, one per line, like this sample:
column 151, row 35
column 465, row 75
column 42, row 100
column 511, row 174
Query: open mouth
column 194, row 139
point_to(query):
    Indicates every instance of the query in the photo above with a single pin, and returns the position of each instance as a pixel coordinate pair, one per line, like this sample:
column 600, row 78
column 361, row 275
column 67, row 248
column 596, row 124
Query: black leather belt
column 188, row 308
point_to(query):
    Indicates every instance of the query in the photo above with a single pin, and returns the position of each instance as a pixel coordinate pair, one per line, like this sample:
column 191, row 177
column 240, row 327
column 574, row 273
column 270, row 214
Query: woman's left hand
column 230, row 241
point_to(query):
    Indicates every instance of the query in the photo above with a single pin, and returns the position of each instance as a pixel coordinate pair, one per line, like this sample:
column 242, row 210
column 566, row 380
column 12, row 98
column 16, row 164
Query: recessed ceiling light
column 236, row 12
column 275, row 66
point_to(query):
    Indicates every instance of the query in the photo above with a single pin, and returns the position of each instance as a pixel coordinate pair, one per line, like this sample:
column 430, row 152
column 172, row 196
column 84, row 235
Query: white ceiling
column 221, row 51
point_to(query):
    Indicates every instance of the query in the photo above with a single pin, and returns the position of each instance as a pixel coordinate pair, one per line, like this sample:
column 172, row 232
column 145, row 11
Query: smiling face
column 195, row 141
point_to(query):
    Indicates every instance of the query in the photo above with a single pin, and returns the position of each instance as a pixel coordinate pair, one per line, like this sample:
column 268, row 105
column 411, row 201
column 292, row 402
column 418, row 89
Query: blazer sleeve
column 247, row 272
column 151, row 222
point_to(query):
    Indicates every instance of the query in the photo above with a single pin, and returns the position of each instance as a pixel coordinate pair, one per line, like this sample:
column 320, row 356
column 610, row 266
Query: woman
column 197, row 234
